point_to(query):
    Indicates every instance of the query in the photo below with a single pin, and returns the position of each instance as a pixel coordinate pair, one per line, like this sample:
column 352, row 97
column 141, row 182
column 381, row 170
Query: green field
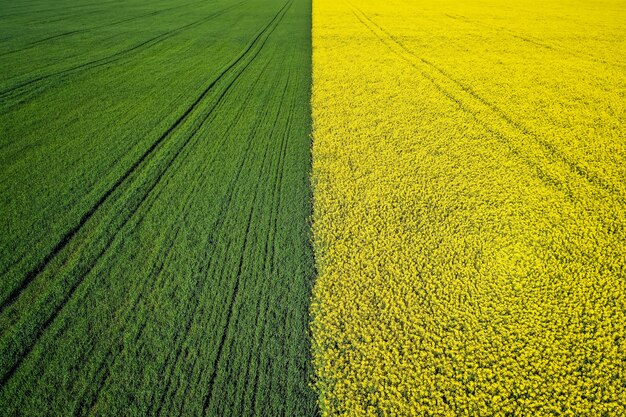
column 155, row 251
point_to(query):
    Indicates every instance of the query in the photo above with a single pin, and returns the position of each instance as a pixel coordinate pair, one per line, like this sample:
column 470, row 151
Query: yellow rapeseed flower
column 469, row 174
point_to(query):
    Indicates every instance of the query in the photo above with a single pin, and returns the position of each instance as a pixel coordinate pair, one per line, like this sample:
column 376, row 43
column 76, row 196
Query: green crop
column 155, row 252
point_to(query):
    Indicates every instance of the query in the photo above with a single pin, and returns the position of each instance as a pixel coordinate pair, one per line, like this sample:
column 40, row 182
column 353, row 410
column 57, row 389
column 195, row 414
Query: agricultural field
column 310, row 208
column 469, row 185
column 155, row 251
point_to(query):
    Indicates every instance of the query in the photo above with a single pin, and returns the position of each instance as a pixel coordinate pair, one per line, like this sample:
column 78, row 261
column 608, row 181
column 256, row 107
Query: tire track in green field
column 169, row 365
column 227, row 322
column 218, row 229
column 226, row 206
column 155, row 272
column 87, row 216
column 267, row 264
column 180, row 286
column 108, row 361
column 17, row 354
column 30, row 12
column 18, row 95
column 229, row 310
column 33, row 44
column 269, row 258
column 233, row 297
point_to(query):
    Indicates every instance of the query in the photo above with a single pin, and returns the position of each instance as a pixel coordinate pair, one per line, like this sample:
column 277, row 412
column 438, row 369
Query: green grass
column 154, row 162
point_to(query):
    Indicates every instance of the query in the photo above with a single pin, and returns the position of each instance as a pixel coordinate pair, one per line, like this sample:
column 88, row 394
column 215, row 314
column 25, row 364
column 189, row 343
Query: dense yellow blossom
column 469, row 174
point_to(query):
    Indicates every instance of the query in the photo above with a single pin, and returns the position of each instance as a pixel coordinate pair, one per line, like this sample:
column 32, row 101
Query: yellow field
column 470, row 207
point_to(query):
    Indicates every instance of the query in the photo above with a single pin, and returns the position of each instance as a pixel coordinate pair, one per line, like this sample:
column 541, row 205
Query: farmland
column 155, row 250
column 469, row 207
column 301, row 208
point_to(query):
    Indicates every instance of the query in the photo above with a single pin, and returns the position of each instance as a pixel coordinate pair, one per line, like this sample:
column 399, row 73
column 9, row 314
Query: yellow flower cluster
column 469, row 174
